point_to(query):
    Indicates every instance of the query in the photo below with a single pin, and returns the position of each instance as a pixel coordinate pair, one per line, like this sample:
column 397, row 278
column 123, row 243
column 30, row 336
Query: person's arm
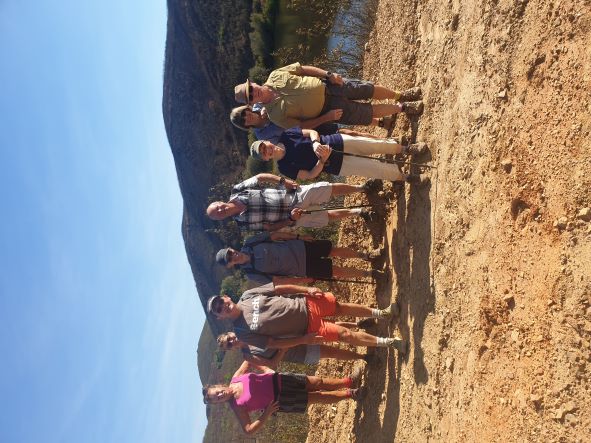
column 295, row 289
column 292, row 280
column 251, row 427
column 313, row 71
column 258, row 362
column 241, row 370
column 275, row 226
column 330, row 116
column 275, row 179
column 311, row 134
column 278, row 236
column 312, row 173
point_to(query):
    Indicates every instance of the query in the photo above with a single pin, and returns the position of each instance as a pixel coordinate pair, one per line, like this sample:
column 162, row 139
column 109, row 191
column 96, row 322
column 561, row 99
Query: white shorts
column 312, row 197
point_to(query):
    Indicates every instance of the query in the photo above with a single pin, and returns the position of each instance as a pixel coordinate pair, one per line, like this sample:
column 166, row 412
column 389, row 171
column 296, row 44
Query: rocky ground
column 491, row 263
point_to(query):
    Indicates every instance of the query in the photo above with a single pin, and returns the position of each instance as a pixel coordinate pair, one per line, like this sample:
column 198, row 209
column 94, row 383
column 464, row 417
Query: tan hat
column 254, row 149
column 242, row 91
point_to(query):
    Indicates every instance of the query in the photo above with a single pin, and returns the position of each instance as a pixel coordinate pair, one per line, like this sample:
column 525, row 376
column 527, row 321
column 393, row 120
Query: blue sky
column 98, row 309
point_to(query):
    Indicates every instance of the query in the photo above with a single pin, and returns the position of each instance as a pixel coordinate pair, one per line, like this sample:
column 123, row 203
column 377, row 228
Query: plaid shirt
column 267, row 205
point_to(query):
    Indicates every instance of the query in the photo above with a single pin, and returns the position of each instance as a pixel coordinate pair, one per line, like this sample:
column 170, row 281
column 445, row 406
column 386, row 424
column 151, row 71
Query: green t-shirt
column 301, row 97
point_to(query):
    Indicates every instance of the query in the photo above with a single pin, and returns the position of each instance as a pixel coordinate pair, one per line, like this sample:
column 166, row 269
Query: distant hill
column 206, row 54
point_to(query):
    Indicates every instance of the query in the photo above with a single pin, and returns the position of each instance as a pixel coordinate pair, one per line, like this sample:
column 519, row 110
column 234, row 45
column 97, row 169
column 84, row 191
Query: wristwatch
column 328, row 75
column 282, row 181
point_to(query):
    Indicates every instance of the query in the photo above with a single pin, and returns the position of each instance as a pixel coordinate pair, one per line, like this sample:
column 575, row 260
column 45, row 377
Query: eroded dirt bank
column 492, row 262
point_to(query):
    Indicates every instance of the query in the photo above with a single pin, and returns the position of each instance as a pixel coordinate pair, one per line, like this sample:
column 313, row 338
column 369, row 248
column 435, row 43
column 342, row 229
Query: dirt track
column 492, row 262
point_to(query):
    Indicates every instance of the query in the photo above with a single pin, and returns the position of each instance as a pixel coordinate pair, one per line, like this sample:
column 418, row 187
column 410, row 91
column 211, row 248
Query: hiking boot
column 367, row 323
column 412, row 108
column 416, row 148
column 372, row 185
column 399, row 344
column 378, row 274
column 374, row 254
column 392, row 311
column 368, row 215
column 356, row 377
column 417, row 179
column 357, row 394
column 387, row 122
column 410, row 94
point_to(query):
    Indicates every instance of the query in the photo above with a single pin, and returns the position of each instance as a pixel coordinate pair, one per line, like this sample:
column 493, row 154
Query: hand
column 322, row 152
column 296, row 213
column 315, row 292
column 335, row 114
column 313, row 339
column 307, row 238
column 336, row 79
column 291, row 184
column 272, row 408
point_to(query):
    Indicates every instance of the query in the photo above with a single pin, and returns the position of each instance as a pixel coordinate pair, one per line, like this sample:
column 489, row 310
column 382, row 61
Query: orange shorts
column 319, row 308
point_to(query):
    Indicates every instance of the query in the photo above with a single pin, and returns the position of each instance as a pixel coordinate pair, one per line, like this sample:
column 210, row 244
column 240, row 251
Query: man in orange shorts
column 283, row 316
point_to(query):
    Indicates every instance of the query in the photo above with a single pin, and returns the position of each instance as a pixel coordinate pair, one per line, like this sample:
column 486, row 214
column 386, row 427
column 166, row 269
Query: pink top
column 257, row 391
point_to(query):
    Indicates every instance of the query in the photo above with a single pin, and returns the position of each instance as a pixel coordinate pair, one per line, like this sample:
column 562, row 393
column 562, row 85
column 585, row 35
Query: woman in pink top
column 272, row 391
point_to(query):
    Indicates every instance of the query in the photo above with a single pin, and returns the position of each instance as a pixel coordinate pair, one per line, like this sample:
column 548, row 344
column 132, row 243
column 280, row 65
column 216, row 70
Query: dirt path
column 492, row 262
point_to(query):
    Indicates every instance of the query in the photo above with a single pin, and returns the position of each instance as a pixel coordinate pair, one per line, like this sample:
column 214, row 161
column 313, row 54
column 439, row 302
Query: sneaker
column 387, row 122
column 412, row 108
column 416, row 148
column 372, row 185
column 357, row 394
column 392, row 311
column 368, row 215
column 367, row 323
column 378, row 274
column 417, row 179
column 410, row 94
column 356, row 377
column 399, row 344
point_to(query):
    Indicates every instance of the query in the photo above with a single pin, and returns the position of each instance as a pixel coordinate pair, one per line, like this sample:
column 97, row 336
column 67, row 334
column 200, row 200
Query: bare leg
column 327, row 397
column 383, row 109
column 383, row 93
column 352, row 310
column 356, row 338
column 342, row 272
column 345, row 189
column 337, row 214
column 345, row 324
column 314, row 383
column 340, row 354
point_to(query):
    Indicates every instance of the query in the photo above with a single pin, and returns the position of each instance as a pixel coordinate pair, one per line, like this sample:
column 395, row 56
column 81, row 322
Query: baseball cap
column 222, row 256
column 212, row 302
column 254, row 149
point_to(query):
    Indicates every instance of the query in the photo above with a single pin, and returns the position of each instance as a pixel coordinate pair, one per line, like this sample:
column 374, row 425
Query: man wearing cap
column 255, row 117
column 286, row 258
column 288, row 315
column 307, row 97
column 271, row 209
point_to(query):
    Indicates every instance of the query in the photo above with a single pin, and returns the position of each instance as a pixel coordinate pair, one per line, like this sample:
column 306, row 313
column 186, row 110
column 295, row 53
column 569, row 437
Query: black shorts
column 343, row 97
column 318, row 265
column 292, row 396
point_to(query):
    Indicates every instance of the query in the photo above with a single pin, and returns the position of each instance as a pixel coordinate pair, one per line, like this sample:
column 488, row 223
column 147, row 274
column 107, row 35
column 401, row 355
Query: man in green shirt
column 307, row 97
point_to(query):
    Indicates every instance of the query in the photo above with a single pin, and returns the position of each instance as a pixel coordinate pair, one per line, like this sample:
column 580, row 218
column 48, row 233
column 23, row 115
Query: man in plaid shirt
column 256, row 208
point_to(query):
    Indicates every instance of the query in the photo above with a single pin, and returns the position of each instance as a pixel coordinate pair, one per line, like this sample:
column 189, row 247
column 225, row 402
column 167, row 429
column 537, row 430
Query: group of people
column 294, row 116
